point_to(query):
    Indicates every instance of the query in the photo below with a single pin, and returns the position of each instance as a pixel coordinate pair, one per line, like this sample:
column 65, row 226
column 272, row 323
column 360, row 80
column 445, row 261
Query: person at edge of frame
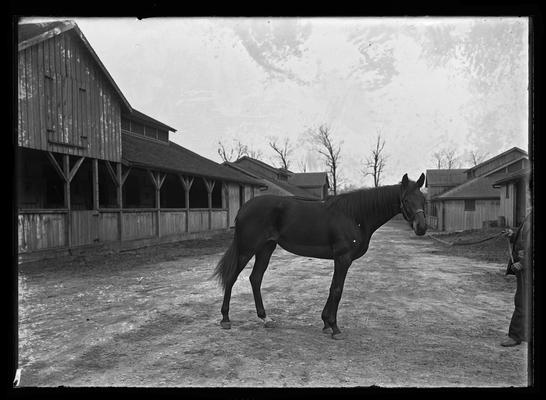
column 520, row 265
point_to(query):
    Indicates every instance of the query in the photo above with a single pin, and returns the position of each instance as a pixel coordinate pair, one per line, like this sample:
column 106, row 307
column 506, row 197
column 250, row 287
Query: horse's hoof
column 225, row 324
column 327, row 330
column 268, row 322
column 338, row 336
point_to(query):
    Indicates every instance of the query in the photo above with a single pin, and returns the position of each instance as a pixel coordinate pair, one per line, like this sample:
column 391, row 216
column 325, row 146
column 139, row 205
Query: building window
column 470, row 205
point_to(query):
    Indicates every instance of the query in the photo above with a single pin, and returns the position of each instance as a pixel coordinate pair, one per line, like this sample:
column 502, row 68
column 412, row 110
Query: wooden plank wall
column 65, row 103
column 38, row 231
column 108, row 226
column 198, row 220
column 456, row 218
column 219, row 219
column 233, row 200
column 139, row 224
column 173, row 222
column 84, row 227
column 490, row 166
column 506, row 208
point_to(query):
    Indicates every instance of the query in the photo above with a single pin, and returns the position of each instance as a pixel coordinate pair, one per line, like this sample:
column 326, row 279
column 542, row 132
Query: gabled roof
column 502, row 167
column 286, row 187
column 139, row 116
column 445, row 177
column 477, row 188
column 523, row 173
column 309, row 179
column 295, row 190
column 33, row 33
column 517, row 149
column 171, row 157
column 262, row 164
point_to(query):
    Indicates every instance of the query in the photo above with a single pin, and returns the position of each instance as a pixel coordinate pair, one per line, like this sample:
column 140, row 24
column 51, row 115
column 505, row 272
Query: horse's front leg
column 329, row 313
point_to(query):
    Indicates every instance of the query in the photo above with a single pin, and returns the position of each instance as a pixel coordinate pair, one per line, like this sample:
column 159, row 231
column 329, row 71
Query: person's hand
column 517, row 267
column 507, row 233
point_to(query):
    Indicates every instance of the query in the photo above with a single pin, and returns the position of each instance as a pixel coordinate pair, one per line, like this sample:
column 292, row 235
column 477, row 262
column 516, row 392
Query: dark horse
column 338, row 228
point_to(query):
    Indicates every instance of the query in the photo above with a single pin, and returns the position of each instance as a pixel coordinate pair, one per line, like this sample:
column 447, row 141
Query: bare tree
column 252, row 153
column 237, row 151
column 326, row 146
column 282, row 150
column 302, row 165
column 375, row 163
column 476, row 157
column 233, row 153
column 446, row 158
column 439, row 159
column 451, row 158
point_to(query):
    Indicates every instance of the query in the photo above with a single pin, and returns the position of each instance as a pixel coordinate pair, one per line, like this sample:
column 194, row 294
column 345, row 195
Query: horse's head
column 412, row 204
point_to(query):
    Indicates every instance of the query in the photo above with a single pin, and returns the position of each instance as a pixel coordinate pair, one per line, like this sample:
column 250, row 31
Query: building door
column 241, row 195
column 84, row 227
column 519, row 203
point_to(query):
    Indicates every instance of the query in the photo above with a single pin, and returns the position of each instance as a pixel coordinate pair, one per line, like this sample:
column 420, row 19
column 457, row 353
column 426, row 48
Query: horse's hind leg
column 260, row 265
column 241, row 263
column 329, row 314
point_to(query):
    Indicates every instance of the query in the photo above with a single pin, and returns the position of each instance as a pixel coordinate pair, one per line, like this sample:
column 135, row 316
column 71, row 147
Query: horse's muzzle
column 419, row 225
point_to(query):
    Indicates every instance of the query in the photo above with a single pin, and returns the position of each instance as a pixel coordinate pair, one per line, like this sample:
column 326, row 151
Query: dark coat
column 521, row 240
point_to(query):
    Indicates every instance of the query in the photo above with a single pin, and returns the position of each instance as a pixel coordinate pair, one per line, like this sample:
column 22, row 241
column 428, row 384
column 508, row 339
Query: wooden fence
column 50, row 229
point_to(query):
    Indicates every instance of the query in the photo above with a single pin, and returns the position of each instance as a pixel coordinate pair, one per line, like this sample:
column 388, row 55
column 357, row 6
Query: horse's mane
column 362, row 204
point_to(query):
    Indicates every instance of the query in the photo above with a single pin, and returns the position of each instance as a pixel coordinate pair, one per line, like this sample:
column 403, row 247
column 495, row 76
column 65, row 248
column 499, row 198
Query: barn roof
column 283, row 186
column 477, row 188
column 514, row 176
column 292, row 189
column 445, row 177
column 137, row 115
column 171, row 157
column 36, row 32
column 309, row 179
column 261, row 163
column 513, row 149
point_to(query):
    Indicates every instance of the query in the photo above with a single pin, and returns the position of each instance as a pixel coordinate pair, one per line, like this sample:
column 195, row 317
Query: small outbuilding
column 470, row 198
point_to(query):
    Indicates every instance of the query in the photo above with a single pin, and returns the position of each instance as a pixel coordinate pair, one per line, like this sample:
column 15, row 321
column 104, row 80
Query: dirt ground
column 415, row 312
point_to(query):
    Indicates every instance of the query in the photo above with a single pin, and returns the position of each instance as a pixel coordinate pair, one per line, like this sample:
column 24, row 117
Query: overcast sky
column 425, row 84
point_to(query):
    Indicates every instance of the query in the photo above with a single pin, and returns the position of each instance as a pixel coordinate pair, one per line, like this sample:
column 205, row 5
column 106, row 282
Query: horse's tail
column 228, row 265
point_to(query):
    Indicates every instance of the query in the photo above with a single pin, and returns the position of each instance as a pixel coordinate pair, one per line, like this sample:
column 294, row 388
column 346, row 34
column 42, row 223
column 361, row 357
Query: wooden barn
column 515, row 198
column 282, row 182
column 91, row 170
column 477, row 200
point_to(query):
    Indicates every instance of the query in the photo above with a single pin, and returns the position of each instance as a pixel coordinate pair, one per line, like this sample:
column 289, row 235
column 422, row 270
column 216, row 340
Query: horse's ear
column 421, row 180
column 405, row 181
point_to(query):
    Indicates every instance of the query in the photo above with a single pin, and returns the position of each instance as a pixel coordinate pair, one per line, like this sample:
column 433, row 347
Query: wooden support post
column 158, row 179
column 187, row 183
column 66, row 172
column 95, row 187
column 119, row 198
column 225, row 204
column 210, row 186
column 95, row 170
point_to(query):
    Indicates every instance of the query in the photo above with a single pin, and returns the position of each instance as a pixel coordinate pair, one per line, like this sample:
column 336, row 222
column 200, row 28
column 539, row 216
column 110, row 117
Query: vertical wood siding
column 84, row 227
column 456, row 218
column 65, row 103
column 137, row 225
column 173, row 222
column 39, row 231
column 219, row 219
column 108, row 226
column 233, row 202
column 198, row 220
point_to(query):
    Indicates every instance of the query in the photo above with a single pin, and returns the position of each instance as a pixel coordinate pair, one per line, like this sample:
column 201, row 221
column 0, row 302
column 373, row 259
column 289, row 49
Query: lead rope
column 463, row 243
